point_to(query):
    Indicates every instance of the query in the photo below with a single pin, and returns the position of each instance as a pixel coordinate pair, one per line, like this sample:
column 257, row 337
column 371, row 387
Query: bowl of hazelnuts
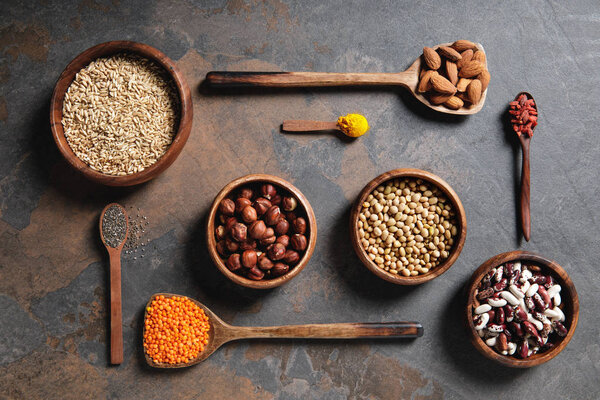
column 261, row 231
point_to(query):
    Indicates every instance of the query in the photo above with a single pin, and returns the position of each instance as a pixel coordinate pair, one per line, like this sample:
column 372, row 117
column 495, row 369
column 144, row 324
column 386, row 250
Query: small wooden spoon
column 114, row 254
column 408, row 79
column 220, row 332
column 525, row 181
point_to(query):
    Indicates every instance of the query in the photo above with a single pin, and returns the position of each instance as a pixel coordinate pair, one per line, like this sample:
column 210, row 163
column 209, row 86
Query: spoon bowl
column 408, row 79
column 221, row 332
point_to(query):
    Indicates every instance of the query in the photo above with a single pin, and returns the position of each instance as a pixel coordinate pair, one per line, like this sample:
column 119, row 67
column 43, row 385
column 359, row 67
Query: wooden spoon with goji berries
column 523, row 111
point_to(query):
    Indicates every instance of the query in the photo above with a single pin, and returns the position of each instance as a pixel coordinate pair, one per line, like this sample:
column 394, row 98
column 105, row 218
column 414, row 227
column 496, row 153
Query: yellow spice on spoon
column 353, row 125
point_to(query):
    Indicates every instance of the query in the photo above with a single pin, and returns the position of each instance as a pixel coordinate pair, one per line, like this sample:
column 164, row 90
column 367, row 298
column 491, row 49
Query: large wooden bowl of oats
column 121, row 113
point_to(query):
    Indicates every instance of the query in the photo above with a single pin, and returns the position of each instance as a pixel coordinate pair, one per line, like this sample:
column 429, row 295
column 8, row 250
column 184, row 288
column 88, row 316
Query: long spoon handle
column 525, row 192
column 227, row 79
column 308, row 126
column 116, row 325
column 402, row 329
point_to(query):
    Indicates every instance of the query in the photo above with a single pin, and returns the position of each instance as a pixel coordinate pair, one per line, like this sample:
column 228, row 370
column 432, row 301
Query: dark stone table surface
column 53, row 271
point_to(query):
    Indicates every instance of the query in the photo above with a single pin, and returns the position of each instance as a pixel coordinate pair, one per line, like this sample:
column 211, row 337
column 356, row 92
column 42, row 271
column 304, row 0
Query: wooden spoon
column 525, row 140
column 114, row 254
column 220, row 332
column 408, row 79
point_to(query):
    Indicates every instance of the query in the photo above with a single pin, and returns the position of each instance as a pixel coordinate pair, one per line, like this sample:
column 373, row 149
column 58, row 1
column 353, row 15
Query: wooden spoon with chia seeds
column 113, row 232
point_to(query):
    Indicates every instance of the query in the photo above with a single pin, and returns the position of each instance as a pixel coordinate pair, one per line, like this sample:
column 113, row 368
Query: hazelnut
column 249, row 214
column 282, row 227
column 222, row 248
column 291, row 257
column 257, row 229
column 241, row 203
column 229, row 223
column 247, row 193
column 249, row 258
column 299, row 225
column 222, row 218
column 291, row 216
column 238, row 232
column 220, row 232
column 276, row 251
column 269, row 237
column 256, row 274
column 284, row 240
column 231, row 245
column 227, row 207
column 280, row 269
column 289, row 204
column 248, row 244
column 233, row 262
column 268, row 191
column 272, row 215
column 276, row 200
column 298, row 242
column 261, row 205
column 264, row 263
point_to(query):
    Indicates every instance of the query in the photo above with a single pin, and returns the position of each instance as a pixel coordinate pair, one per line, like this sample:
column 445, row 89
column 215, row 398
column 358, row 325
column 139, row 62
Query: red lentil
column 176, row 330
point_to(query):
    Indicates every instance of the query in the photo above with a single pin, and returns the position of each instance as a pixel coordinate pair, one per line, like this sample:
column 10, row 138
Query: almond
column 484, row 77
column 449, row 53
column 432, row 59
column 437, row 99
column 462, row 84
column 454, row 103
column 442, row 85
column 474, row 91
column 452, row 72
column 466, row 55
column 462, row 45
column 471, row 69
column 479, row 56
column 424, row 83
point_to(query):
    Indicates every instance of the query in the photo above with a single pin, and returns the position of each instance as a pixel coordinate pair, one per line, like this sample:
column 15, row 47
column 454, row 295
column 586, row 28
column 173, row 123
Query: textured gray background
column 53, row 276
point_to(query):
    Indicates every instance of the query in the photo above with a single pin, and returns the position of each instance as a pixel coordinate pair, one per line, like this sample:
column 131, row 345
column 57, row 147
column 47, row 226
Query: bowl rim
column 106, row 49
column 418, row 174
column 210, row 229
column 567, row 287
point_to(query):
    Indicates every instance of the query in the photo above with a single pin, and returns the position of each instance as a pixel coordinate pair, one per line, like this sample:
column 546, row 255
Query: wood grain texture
column 408, row 79
column 460, row 216
column 107, row 49
column 309, row 126
column 569, row 305
column 212, row 242
column 220, row 332
column 116, row 319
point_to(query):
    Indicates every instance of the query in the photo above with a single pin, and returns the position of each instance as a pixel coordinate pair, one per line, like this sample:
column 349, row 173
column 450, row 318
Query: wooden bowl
column 107, row 49
column 450, row 194
column 569, row 300
column 212, row 242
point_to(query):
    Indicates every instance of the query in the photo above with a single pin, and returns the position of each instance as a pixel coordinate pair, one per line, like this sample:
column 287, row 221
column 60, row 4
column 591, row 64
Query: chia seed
column 137, row 229
column 114, row 226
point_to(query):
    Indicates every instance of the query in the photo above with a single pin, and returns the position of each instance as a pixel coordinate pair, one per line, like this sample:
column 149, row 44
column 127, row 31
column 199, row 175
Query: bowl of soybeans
column 408, row 226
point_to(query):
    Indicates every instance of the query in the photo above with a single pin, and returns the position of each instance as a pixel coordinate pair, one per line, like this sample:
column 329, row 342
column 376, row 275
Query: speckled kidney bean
column 521, row 315
column 500, row 315
column 484, row 294
column 501, row 285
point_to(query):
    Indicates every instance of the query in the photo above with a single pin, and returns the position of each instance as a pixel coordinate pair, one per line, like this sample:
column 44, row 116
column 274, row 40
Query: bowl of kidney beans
column 261, row 231
column 522, row 309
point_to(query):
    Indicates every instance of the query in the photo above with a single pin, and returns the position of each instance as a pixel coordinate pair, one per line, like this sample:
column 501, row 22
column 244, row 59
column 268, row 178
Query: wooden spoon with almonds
column 408, row 79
